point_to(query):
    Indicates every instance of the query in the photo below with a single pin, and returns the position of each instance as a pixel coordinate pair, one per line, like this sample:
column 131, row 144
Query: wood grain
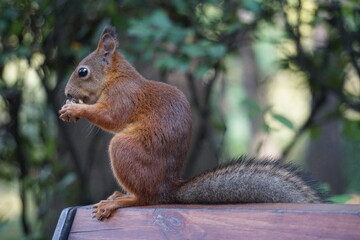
column 241, row 221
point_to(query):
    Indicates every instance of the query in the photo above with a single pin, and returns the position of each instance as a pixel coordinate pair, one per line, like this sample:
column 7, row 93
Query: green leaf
column 351, row 130
column 172, row 63
column 160, row 20
column 201, row 70
column 266, row 128
column 217, row 51
column 315, row 132
column 283, row 120
column 252, row 107
column 252, row 5
column 139, row 29
column 193, row 50
column 177, row 34
column 340, row 199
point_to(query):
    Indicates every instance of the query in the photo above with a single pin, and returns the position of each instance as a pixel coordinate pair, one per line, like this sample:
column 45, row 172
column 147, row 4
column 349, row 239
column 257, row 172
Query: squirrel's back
column 249, row 180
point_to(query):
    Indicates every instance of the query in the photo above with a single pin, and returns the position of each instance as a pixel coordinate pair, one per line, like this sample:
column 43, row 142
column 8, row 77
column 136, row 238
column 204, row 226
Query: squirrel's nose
column 69, row 97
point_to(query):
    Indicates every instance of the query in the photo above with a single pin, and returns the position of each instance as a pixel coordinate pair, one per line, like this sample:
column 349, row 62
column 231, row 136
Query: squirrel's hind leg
column 105, row 208
column 119, row 195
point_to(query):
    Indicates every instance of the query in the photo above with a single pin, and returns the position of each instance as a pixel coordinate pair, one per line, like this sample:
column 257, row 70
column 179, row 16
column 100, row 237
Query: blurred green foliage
column 340, row 199
column 41, row 40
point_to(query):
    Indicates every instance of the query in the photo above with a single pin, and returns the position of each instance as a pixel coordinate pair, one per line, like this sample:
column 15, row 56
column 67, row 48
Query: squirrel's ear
column 107, row 44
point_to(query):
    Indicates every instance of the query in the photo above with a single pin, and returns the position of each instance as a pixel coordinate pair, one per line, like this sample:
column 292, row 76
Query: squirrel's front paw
column 69, row 112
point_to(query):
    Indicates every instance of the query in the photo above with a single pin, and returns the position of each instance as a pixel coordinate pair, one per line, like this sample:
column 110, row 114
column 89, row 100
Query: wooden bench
column 240, row 221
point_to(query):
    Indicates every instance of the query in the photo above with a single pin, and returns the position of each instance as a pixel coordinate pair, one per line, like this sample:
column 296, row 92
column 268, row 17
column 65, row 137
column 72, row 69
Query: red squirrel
column 151, row 122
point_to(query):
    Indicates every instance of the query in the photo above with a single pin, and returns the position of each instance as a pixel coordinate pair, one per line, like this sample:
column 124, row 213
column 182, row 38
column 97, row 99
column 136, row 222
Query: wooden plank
column 245, row 221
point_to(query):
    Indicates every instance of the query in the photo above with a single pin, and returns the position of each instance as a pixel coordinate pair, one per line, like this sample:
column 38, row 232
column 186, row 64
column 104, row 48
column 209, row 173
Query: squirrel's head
column 90, row 76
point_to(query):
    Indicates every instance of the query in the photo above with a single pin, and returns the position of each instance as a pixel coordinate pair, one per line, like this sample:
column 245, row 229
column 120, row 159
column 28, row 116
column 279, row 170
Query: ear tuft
column 112, row 32
column 107, row 44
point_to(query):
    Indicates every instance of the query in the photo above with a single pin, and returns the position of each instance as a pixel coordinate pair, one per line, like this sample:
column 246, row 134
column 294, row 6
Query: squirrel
column 152, row 125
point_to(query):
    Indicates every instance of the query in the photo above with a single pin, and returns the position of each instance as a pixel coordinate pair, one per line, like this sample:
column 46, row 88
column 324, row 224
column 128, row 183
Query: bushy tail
column 251, row 181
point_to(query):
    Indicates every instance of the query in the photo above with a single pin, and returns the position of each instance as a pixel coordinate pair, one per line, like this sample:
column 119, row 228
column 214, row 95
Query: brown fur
column 152, row 126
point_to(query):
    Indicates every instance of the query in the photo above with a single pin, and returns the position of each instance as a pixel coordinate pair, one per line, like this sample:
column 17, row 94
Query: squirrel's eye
column 83, row 72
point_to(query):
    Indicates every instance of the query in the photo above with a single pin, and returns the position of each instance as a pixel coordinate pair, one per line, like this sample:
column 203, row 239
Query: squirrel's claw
column 103, row 209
